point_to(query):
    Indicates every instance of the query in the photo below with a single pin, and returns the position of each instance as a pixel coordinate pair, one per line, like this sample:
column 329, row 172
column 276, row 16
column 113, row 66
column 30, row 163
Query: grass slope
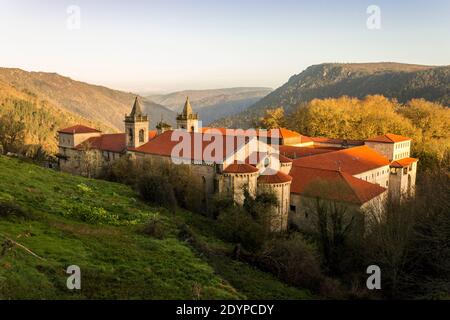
column 70, row 220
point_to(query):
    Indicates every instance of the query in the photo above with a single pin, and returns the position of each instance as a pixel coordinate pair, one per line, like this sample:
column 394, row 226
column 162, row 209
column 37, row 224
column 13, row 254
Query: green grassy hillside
column 97, row 225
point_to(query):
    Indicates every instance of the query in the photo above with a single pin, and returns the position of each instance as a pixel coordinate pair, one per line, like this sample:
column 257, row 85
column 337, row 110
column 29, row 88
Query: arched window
column 266, row 162
column 192, row 129
column 130, row 134
column 141, row 135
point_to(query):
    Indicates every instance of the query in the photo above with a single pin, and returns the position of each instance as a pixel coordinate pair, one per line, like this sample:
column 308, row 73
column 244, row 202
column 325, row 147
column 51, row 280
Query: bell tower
column 136, row 126
column 188, row 120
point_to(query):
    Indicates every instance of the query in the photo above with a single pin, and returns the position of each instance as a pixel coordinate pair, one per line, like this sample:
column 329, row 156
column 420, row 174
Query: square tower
column 136, row 126
column 188, row 120
column 392, row 146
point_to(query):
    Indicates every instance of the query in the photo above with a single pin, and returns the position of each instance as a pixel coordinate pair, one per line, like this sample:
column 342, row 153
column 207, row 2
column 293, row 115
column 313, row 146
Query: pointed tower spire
column 187, row 110
column 137, row 110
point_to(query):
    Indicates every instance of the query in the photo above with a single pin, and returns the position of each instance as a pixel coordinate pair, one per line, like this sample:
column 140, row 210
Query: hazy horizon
column 166, row 46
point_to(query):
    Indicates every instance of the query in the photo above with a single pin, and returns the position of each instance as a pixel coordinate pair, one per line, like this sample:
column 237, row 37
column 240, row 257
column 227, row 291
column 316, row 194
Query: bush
column 92, row 215
column 158, row 190
column 123, row 170
column 155, row 227
column 220, row 203
column 238, row 226
column 294, row 261
column 10, row 209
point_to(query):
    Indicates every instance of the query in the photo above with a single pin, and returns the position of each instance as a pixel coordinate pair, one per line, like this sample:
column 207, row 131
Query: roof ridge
column 346, row 176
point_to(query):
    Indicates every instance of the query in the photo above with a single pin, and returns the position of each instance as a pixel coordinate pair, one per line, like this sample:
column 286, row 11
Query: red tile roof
column 78, row 129
column 294, row 152
column 332, row 185
column 388, row 138
column 240, row 168
column 284, row 159
column 337, row 141
column 115, row 142
column 274, row 177
column 403, row 162
column 353, row 160
column 163, row 145
column 281, row 132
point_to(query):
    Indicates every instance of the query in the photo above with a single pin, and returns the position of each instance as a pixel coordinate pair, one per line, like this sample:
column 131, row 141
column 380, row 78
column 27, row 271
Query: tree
column 158, row 190
column 273, row 119
column 12, row 134
column 90, row 161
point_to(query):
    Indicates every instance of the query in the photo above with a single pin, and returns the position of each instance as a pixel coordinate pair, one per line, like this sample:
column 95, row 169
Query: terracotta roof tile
column 78, row 129
column 284, row 159
column 240, row 168
column 403, row 162
column 332, row 185
column 353, row 160
column 274, row 177
column 115, row 142
column 388, row 138
column 281, row 132
column 163, row 145
column 294, row 152
column 337, row 141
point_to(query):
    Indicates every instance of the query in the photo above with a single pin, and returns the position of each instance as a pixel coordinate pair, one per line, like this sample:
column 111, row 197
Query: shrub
column 155, row 227
column 158, row 190
column 123, row 170
column 220, row 203
column 262, row 207
column 93, row 215
column 293, row 260
column 238, row 226
column 11, row 209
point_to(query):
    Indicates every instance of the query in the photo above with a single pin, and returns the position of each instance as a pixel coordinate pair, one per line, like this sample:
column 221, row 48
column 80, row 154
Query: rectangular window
column 293, row 208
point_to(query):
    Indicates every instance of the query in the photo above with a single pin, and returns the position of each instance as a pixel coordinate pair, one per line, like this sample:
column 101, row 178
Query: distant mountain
column 213, row 104
column 89, row 101
column 46, row 102
column 393, row 80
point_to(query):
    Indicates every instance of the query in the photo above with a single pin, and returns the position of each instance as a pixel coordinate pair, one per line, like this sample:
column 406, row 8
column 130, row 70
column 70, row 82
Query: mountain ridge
column 212, row 104
column 94, row 102
column 331, row 80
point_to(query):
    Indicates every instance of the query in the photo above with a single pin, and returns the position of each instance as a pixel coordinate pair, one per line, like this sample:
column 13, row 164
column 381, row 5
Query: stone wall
column 280, row 219
column 378, row 176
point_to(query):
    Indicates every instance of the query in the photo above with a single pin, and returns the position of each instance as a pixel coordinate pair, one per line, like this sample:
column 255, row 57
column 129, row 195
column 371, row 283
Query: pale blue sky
column 173, row 45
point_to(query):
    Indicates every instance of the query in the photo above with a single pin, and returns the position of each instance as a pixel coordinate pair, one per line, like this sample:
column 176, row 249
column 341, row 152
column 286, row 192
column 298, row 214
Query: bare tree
column 90, row 160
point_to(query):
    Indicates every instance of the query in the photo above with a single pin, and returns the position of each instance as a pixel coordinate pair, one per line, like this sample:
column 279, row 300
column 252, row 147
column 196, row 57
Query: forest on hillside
column 427, row 123
column 403, row 82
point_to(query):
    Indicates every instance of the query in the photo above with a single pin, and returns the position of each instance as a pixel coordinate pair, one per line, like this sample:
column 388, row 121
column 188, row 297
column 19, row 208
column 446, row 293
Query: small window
column 266, row 162
column 293, row 208
column 387, row 183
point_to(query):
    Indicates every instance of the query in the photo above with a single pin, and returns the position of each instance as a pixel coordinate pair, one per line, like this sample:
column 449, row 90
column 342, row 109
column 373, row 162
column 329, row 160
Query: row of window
column 401, row 155
column 382, row 172
column 66, row 141
column 402, row 145
column 107, row 155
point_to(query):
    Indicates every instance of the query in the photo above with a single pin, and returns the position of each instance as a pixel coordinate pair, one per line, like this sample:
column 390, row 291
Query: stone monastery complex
column 297, row 168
